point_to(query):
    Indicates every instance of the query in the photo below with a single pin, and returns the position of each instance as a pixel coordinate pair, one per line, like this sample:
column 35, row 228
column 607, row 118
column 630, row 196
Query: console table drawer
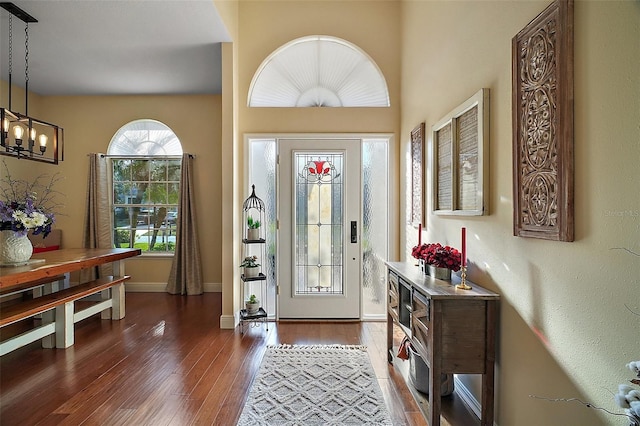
column 392, row 301
column 393, row 295
column 393, row 306
column 421, row 324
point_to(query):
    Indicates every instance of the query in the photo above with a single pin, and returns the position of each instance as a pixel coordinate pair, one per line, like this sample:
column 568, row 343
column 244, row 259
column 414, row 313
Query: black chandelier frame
column 25, row 129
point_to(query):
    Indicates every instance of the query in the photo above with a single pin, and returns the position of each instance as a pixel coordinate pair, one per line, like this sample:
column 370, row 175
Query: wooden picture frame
column 460, row 160
column 417, row 174
column 542, row 72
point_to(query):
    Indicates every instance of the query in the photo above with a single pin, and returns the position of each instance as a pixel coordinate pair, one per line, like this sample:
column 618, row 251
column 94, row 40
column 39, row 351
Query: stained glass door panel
column 318, row 223
column 319, row 199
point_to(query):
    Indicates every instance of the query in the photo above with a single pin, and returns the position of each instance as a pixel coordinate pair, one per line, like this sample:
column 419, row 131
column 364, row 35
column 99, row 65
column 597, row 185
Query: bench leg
column 64, row 325
column 49, row 316
column 106, row 295
column 117, row 295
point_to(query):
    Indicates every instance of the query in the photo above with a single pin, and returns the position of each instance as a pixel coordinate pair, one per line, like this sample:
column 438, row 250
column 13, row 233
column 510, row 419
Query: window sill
column 150, row 255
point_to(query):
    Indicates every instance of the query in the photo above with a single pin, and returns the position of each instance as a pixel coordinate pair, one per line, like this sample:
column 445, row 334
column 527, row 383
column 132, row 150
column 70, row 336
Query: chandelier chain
column 26, row 71
column 26, row 53
column 10, row 44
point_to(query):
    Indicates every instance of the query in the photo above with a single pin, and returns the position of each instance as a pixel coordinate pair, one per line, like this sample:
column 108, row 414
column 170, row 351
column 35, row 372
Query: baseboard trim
column 138, row 287
column 467, row 397
column 228, row 322
column 374, row 317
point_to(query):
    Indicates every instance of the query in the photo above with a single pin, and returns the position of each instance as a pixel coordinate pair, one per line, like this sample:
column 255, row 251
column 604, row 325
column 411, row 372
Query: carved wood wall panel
column 543, row 125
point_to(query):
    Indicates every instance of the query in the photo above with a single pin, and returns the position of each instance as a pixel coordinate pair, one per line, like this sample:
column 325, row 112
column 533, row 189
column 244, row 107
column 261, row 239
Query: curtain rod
column 143, row 156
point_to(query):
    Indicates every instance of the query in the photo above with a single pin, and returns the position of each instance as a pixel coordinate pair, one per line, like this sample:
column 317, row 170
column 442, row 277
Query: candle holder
column 463, row 279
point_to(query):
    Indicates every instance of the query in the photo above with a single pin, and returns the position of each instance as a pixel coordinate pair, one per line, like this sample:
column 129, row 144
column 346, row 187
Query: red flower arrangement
column 438, row 255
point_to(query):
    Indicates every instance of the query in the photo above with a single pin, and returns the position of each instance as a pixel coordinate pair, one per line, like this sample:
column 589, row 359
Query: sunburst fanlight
column 318, row 71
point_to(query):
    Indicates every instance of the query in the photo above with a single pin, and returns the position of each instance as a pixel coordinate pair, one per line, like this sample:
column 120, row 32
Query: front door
column 319, row 231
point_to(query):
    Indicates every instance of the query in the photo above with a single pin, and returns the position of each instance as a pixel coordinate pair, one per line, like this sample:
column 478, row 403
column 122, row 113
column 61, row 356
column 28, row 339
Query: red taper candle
column 464, row 246
column 419, row 234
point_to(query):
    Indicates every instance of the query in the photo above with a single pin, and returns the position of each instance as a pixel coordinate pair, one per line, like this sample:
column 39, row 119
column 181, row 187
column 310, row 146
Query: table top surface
column 57, row 262
column 439, row 289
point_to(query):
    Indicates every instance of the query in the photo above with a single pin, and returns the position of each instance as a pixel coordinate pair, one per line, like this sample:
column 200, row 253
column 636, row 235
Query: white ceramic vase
column 14, row 248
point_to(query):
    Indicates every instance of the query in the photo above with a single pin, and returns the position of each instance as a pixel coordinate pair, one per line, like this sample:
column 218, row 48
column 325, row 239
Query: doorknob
column 354, row 231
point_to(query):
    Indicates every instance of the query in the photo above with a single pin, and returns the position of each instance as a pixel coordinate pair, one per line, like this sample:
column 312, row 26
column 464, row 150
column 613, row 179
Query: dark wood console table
column 453, row 330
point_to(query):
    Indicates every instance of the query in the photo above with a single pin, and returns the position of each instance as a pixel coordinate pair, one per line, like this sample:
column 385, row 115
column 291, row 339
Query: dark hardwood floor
column 169, row 363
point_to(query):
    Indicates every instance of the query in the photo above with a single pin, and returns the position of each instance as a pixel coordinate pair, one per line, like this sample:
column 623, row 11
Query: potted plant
column 24, row 207
column 252, row 304
column 441, row 260
column 253, row 228
column 251, row 266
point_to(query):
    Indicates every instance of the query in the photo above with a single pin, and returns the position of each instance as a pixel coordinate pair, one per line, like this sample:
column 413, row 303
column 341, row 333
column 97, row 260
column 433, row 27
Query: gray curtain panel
column 186, row 269
column 98, row 229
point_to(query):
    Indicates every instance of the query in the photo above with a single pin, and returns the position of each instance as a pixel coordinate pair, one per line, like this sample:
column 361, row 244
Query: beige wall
column 267, row 25
column 565, row 330
column 18, row 99
column 90, row 122
column 264, row 26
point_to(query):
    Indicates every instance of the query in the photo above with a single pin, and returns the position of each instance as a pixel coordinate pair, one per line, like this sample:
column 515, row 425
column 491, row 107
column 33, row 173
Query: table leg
column 488, row 377
column 116, row 294
column 389, row 339
column 118, row 308
column 50, row 316
column 435, row 392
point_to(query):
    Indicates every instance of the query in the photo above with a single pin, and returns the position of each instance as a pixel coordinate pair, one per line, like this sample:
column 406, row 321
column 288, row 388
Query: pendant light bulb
column 18, row 132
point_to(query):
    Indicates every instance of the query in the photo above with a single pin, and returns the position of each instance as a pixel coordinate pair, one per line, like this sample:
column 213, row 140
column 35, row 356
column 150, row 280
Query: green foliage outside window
column 145, row 203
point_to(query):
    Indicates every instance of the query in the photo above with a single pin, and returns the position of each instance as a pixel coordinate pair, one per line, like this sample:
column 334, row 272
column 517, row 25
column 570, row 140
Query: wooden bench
column 62, row 324
column 33, row 285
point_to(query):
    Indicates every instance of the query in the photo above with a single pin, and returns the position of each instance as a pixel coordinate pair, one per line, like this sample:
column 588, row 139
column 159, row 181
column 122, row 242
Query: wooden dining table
column 53, row 263
column 47, row 273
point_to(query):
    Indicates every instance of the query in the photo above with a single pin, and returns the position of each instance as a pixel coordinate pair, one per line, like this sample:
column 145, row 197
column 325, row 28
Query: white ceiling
column 97, row 47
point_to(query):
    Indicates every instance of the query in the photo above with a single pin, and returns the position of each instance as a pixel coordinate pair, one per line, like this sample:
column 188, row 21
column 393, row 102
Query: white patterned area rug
column 315, row 385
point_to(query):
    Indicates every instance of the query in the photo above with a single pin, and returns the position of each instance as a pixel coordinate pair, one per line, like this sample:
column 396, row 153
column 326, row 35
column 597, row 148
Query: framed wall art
column 460, row 145
column 417, row 173
column 542, row 55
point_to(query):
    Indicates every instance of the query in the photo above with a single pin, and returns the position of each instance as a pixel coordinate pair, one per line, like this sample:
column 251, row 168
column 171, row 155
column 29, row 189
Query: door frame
column 393, row 196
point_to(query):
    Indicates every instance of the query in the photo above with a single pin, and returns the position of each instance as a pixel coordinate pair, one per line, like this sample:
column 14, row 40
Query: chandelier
column 23, row 136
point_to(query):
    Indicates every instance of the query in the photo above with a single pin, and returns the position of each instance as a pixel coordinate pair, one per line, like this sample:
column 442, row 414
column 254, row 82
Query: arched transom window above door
column 318, row 71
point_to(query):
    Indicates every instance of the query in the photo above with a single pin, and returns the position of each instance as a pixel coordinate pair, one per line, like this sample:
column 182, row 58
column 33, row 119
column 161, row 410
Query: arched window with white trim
column 318, row 71
column 146, row 161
